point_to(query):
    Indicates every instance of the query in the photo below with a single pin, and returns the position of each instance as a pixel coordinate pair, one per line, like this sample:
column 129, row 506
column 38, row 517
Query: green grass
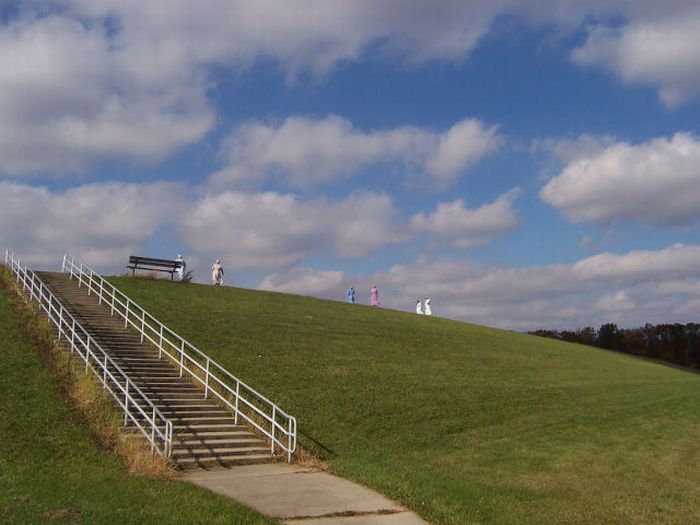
column 463, row 424
column 52, row 470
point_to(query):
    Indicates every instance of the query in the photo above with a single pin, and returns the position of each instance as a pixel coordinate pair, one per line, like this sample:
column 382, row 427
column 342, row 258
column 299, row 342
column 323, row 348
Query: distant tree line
column 675, row 343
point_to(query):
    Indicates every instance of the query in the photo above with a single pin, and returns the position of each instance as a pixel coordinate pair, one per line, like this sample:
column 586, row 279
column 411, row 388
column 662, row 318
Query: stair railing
column 137, row 407
column 245, row 402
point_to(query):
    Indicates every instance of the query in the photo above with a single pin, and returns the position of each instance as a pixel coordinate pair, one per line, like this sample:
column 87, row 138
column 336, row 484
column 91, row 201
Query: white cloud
column 657, row 182
column 460, row 147
column 308, row 152
column 100, row 223
column 305, row 281
column 68, row 97
column 569, row 150
column 628, row 289
column 467, row 228
column 275, row 231
column 305, row 36
column 91, row 80
column 657, row 47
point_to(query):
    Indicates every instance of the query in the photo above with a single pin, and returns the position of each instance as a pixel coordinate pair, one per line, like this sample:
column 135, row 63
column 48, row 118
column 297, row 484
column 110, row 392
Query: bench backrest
column 151, row 261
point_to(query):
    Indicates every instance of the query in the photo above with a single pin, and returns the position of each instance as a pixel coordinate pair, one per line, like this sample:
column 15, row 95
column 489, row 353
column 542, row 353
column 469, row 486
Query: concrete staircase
column 204, row 434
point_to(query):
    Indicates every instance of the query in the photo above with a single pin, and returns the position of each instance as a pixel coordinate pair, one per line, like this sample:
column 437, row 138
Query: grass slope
column 52, row 471
column 462, row 423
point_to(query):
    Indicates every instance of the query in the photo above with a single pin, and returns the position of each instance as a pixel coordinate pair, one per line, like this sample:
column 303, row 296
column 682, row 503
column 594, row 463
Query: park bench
column 149, row 263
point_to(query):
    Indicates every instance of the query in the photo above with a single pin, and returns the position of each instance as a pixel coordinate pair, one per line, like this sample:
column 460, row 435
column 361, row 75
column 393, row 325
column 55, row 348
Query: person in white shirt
column 426, row 306
column 180, row 270
column 419, row 307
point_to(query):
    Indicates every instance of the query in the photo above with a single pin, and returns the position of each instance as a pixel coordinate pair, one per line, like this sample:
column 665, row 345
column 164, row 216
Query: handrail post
column 143, row 323
column 238, row 388
column 126, row 314
column 87, row 353
column 60, row 323
column 169, row 436
column 126, row 402
column 206, row 380
column 72, row 337
column 272, row 430
column 182, row 355
column 104, row 375
column 153, row 428
column 160, row 342
column 289, row 440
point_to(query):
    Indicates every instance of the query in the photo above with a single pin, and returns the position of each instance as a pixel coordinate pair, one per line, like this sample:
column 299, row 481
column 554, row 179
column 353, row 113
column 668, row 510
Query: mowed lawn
column 461, row 423
column 52, row 470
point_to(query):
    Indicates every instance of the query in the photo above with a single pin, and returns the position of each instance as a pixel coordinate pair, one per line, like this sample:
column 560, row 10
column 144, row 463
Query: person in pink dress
column 374, row 296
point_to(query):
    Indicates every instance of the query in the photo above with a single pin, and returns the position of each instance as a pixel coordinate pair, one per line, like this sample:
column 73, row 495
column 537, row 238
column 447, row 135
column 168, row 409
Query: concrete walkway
column 300, row 496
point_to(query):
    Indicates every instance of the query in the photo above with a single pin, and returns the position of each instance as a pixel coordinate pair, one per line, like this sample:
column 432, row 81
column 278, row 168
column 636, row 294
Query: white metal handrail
column 245, row 402
column 138, row 408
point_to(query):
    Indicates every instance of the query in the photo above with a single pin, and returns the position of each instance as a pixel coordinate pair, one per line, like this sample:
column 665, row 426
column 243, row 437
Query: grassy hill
column 462, row 423
column 52, row 470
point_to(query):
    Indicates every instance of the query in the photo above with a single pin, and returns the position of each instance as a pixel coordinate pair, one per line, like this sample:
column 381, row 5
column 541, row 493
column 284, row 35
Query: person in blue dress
column 351, row 295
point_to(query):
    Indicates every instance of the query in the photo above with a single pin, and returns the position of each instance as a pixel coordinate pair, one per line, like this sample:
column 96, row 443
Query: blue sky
column 524, row 164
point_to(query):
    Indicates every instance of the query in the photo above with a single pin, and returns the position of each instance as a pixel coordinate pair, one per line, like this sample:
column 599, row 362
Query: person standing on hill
column 180, row 270
column 374, row 297
column 351, row 295
column 419, row 307
column 428, row 311
column 217, row 273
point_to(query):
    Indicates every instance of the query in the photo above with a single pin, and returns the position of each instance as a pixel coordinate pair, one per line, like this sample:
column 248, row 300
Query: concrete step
column 198, row 419
column 198, row 429
column 188, row 463
column 252, row 441
column 187, row 389
column 205, row 452
column 179, row 414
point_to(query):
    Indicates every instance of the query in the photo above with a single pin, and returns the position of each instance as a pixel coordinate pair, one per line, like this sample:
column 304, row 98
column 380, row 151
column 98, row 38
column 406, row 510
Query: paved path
column 300, row 496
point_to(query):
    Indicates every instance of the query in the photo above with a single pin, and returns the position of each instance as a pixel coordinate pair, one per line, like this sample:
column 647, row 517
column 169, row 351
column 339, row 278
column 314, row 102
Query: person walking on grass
column 374, row 297
column 351, row 295
column 426, row 304
column 217, row 273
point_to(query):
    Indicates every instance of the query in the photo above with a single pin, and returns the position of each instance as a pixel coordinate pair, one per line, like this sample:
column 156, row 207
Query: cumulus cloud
column 657, row 182
column 82, row 81
column 101, row 223
column 306, row 281
column 275, row 231
column 306, row 36
column 68, row 98
column 308, row 152
column 466, row 228
column 656, row 47
column 629, row 289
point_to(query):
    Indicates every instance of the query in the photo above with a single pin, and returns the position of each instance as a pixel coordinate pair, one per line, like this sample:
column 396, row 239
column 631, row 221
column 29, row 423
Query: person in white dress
column 426, row 306
column 419, row 307
column 217, row 273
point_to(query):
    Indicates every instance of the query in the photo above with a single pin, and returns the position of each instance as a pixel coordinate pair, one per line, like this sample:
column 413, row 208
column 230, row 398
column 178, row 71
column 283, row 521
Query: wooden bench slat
column 150, row 260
